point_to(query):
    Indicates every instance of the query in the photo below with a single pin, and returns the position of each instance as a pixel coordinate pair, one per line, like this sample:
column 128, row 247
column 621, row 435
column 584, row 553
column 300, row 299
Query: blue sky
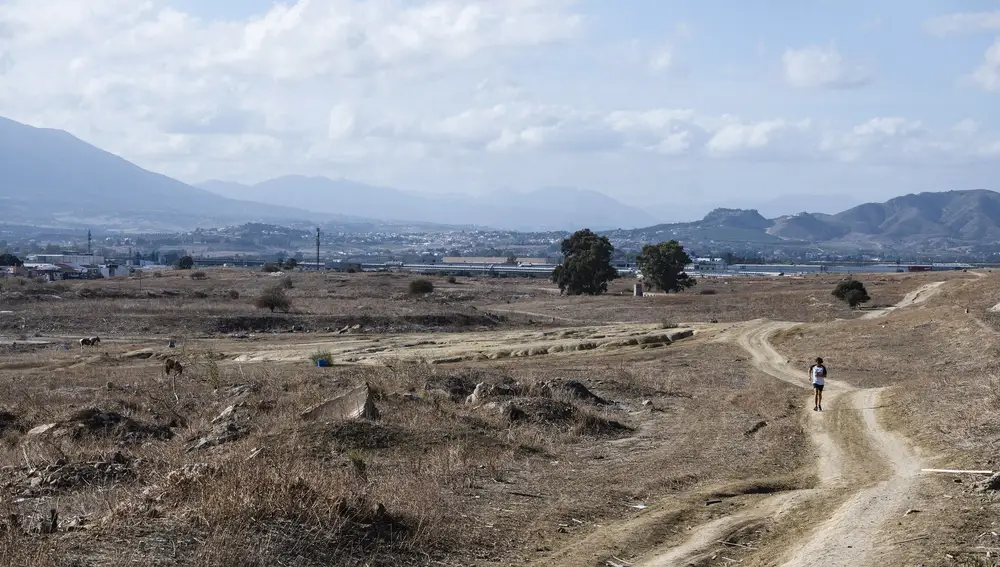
column 679, row 103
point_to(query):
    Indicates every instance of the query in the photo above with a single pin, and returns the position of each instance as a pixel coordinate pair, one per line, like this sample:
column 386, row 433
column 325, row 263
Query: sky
column 649, row 101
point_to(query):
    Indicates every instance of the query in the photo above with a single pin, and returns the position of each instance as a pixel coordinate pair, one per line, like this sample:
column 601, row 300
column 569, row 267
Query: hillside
column 940, row 220
column 51, row 178
column 550, row 208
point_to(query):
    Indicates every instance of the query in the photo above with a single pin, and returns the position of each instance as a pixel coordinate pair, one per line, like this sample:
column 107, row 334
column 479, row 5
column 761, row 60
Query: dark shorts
column 818, row 387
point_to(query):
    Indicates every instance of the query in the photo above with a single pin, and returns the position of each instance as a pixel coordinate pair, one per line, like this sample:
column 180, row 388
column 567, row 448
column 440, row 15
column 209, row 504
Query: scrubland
column 621, row 441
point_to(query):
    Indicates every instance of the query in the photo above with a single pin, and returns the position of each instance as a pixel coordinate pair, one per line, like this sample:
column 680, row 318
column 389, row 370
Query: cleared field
column 513, row 426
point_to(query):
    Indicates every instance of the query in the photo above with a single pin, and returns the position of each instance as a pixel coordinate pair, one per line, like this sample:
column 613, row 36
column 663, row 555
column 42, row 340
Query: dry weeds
column 437, row 480
column 942, row 366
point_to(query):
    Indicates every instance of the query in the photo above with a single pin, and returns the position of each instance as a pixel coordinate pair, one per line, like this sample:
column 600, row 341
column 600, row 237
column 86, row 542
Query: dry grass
column 436, row 480
column 290, row 492
column 943, row 367
column 804, row 299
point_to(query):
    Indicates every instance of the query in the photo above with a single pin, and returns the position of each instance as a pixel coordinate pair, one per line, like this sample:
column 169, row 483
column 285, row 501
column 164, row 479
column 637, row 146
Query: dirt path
column 915, row 297
column 865, row 474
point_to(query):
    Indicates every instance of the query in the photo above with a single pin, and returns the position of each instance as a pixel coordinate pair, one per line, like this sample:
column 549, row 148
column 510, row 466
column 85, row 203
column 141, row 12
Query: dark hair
column 819, row 360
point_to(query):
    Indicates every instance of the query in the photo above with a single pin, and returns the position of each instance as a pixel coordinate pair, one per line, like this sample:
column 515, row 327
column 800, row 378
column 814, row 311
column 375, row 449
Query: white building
column 79, row 260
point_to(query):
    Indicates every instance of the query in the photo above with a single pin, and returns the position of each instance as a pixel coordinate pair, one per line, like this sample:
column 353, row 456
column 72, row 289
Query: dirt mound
column 597, row 426
column 486, row 390
column 573, row 389
column 98, row 423
column 353, row 435
column 10, row 421
column 253, row 323
column 63, row 475
column 543, row 411
column 457, row 386
column 558, row 414
column 405, row 323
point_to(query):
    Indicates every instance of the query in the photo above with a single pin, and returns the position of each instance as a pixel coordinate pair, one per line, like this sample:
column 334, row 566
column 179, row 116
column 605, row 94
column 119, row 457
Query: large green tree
column 663, row 266
column 586, row 267
column 8, row 259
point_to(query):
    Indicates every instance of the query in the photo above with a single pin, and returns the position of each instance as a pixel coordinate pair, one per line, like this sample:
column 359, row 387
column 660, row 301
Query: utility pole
column 88, row 242
column 317, row 248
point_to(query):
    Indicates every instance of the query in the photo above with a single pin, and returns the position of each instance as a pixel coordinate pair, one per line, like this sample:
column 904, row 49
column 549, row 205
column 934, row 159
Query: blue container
column 322, row 363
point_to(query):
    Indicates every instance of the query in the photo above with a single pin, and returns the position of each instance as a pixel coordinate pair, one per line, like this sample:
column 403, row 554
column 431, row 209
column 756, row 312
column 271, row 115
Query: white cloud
column 987, row 76
column 899, row 141
column 341, row 122
column 662, row 59
column 821, row 67
column 964, row 22
column 421, row 93
column 968, row 127
column 990, row 150
column 740, row 136
column 888, row 127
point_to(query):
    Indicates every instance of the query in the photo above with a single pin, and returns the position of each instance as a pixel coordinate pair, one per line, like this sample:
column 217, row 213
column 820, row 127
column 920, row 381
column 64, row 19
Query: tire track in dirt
column 856, row 457
column 915, row 297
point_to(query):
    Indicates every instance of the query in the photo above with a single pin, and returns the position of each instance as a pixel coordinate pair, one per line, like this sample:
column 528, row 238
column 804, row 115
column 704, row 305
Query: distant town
column 65, row 254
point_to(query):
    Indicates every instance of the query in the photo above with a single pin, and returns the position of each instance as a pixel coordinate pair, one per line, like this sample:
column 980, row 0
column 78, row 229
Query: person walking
column 817, row 372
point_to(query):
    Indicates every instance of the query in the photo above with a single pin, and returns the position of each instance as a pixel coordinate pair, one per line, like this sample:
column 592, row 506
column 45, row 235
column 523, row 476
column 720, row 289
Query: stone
column 355, row 404
column 484, row 390
column 579, row 391
column 991, row 484
column 41, row 430
column 678, row 335
column 227, row 413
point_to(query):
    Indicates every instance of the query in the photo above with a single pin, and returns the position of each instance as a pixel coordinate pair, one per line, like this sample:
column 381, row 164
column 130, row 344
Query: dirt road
column 865, row 474
column 915, row 297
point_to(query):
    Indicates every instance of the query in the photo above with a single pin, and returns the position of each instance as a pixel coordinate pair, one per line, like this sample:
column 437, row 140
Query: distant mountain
column 941, row 220
column 51, row 178
column 774, row 207
column 551, row 208
column 806, row 226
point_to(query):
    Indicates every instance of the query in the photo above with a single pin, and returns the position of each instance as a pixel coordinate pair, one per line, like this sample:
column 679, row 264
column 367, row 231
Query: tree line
column 586, row 268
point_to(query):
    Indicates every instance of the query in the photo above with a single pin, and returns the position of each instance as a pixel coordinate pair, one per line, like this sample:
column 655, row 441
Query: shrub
column 233, row 294
column 273, row 298
column 452, row 280
column 270, row 267
column 200, row 294
column 707, row 291
column 185, row 263
column 421, row 287
column 160, row 274
column 286, row 282
column 199, row 275
column 852, row 292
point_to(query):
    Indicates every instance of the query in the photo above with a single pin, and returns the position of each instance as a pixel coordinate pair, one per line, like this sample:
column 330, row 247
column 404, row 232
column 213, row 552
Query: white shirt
column 816, row 377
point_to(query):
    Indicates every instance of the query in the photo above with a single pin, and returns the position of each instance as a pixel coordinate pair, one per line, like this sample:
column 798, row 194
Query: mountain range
column 549, row 208
column 942, row 220
column 51, row 178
